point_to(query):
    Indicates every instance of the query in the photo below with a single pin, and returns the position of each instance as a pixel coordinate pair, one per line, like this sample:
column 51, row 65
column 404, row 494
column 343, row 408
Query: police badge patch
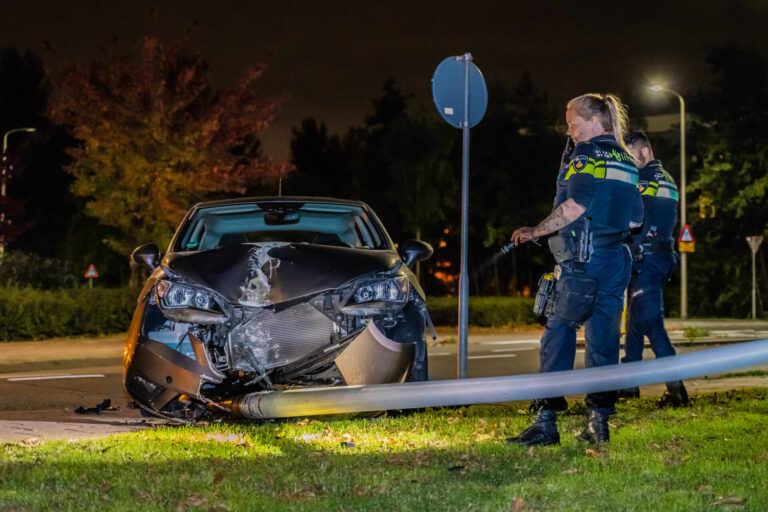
column 580, row 162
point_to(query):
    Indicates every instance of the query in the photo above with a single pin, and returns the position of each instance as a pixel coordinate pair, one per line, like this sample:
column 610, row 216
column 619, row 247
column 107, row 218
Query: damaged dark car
column 261, row 294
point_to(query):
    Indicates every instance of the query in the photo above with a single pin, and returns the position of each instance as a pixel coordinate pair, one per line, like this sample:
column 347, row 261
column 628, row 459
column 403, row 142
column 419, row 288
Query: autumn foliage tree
column 155, row 137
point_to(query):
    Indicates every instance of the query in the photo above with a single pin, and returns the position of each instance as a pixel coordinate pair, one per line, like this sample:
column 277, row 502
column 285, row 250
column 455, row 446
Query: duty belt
column 565, row 248
column 656, row 245
column 611, row 239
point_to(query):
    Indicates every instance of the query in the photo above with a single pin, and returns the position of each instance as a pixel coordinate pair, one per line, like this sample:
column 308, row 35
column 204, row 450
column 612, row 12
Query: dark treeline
column 402, row 159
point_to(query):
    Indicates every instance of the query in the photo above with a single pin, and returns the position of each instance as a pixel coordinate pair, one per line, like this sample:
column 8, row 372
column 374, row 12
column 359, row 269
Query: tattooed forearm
column 563, row 215
column 554, row 222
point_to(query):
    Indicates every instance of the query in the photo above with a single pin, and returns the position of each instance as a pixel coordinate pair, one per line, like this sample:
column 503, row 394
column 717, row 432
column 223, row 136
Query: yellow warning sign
column 686, row 242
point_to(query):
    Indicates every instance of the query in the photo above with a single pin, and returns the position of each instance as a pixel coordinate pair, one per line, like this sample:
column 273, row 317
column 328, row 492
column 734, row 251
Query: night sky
column 333, row 57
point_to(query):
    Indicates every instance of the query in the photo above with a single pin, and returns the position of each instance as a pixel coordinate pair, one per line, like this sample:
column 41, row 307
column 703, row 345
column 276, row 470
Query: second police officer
column 596, row 205
column 654, row 263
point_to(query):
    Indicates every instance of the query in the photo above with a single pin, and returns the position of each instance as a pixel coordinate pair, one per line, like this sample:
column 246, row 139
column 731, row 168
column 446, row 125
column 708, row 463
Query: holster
column 574, row 298
column 562, row 248
column 546, row 285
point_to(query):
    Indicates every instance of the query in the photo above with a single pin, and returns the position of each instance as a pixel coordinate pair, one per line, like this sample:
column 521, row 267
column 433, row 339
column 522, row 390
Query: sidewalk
column 711, row 331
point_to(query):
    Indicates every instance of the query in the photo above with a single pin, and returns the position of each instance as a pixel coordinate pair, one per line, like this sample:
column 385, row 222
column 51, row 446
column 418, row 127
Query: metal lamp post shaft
column 683, row 211
column 4, row 180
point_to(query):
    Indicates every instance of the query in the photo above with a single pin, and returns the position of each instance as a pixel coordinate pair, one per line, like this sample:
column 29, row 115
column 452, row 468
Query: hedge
column 31, row 314
column 484, row 311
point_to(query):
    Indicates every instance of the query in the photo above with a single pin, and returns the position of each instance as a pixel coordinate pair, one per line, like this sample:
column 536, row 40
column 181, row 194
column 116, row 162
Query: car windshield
column 340, row 225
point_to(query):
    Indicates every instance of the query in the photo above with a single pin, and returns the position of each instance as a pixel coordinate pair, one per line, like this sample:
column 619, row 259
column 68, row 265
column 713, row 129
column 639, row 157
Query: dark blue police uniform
column 601, row 177
column 655, row 261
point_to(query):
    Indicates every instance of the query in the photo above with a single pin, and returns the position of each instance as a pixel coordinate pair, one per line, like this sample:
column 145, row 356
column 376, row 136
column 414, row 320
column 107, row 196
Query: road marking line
column 511, row 349
column 51, row 377
column 494, row 356
column 511, row 342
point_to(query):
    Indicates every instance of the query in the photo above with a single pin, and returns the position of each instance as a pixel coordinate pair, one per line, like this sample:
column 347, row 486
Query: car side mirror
column 414, row 251
column 147, row 255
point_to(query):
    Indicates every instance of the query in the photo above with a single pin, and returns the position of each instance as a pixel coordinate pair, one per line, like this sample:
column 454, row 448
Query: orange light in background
column 445, row 277
column 446, row 231
column 442, row 243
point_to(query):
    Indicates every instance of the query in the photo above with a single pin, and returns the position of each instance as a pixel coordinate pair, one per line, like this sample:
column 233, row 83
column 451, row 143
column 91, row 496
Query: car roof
column 280, row 199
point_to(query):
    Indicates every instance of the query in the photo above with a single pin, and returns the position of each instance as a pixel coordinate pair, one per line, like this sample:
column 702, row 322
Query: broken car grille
column 268, row 339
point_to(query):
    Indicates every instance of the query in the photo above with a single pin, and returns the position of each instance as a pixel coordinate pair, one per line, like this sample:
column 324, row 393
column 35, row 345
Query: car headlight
column 394, row 289
column 174, row 295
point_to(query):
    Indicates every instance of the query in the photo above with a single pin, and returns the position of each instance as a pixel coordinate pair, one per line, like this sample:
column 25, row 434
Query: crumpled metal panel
column 275, row 339
column 372, row 358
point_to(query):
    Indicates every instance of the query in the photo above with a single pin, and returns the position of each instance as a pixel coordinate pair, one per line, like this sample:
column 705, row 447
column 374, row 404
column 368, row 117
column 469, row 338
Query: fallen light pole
column 413, row 395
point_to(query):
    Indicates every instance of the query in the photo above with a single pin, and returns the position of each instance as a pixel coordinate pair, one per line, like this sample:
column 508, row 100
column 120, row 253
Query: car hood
column 274, row 272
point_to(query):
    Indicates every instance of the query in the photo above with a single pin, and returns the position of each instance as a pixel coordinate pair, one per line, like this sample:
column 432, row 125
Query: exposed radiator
column 275, row 339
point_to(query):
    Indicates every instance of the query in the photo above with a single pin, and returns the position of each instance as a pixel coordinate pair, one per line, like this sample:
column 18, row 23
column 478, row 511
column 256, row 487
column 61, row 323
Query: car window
column 337, row 225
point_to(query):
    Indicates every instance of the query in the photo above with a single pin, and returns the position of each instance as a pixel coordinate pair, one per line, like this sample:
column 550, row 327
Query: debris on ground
column 106, row 405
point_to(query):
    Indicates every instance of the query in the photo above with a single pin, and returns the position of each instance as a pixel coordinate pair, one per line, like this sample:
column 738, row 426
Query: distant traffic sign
column 686, row 242
column 686, row 235
column 91, row 272
column 754, row 242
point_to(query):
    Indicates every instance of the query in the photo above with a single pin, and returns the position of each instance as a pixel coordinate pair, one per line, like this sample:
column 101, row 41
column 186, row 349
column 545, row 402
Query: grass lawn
column 710, row 456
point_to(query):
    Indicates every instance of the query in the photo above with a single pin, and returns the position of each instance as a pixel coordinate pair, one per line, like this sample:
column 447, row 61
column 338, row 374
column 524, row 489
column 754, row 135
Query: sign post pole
column 754, row 244
column 457, row 81
column 90, row 275
column 464, row 275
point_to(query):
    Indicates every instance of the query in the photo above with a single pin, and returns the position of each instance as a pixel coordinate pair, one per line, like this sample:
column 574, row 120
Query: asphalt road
column 42, row 383
column 516, row 355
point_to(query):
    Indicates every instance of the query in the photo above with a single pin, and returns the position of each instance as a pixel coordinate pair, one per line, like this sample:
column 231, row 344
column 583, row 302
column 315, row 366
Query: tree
column 408, row 174
column 320, row 166
column 514, row 159
column 154, row 138
column 730, row 185
column 39, row 214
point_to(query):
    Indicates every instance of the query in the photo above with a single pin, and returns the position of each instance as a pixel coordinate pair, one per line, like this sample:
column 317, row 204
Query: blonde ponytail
column 609, row 109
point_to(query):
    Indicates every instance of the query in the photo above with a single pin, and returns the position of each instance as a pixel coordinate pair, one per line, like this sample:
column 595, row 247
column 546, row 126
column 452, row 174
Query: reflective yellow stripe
column 593, row 168
column 651, row 189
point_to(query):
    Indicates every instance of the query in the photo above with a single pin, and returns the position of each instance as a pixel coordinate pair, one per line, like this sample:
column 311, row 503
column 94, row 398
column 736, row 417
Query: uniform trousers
column 610, row 266
column 646, row 307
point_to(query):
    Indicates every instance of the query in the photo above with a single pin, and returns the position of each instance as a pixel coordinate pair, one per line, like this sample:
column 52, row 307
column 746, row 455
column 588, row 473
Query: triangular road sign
column 686, row 235
column 91, row 272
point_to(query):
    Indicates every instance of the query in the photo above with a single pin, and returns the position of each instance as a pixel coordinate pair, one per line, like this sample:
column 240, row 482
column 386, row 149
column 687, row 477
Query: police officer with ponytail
column 597, row 204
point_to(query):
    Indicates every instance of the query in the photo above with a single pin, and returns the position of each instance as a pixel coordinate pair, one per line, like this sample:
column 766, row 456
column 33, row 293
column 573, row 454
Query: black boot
column 629, row 393
column 542, row 431
column 596, row 430
column 676, row 395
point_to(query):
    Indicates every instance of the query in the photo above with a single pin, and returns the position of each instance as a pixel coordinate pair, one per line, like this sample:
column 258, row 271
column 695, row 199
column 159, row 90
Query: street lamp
column 683, row 255
column 4, row 179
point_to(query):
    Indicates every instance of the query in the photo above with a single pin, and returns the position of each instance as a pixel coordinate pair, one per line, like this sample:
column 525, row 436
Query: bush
column 484, row 311
column 29, row 314
column 26, row 269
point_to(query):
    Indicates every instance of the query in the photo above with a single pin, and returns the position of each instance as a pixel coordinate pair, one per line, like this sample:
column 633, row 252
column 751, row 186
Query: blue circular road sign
column 448, row 91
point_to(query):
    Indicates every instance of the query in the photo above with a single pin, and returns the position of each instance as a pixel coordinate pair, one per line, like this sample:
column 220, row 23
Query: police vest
column 602, row 178
column 660, row 201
